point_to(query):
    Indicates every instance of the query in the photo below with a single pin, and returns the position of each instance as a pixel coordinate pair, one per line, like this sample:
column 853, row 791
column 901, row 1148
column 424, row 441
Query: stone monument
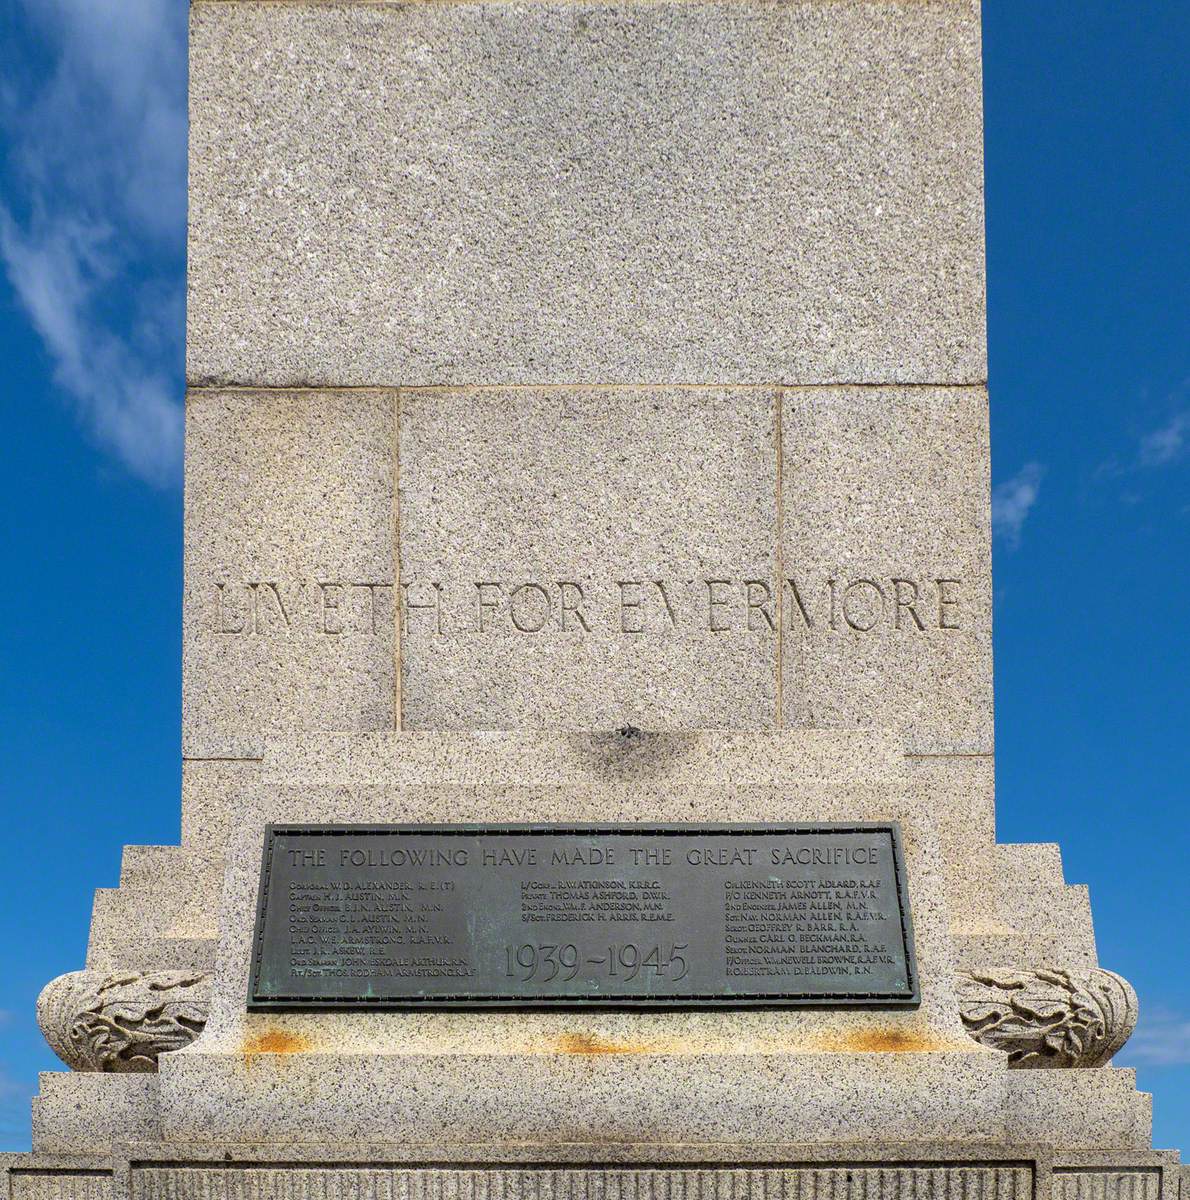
column 586, row 447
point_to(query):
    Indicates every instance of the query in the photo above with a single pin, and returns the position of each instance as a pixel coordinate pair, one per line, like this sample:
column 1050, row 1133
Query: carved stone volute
column 1048, row 1017
column 123, row 1022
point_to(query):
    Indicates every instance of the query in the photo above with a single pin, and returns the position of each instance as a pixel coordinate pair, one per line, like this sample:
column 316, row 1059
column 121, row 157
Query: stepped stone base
column 982, row 914
column 156, row 1171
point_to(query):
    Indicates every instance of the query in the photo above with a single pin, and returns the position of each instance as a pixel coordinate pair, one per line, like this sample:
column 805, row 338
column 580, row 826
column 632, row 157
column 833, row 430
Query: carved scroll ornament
column 1048, row 1017
column 124, row 1022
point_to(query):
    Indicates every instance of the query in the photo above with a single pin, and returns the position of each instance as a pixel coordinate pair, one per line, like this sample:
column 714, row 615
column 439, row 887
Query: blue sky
column 1088, row 119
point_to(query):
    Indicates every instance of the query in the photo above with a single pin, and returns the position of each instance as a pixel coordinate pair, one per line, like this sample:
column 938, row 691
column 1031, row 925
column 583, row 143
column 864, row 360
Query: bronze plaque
column 689, row 916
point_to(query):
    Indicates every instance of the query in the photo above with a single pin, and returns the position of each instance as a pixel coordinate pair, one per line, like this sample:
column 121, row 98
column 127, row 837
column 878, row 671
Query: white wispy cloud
column 1167, row 442
column 1155, row 442
column 1162, row 1039
column 92, row 239
column 1013, row 500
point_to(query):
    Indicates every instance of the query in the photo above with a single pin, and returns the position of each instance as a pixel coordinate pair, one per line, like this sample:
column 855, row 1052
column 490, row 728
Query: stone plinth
column 516, row 1076
column 658, row 1077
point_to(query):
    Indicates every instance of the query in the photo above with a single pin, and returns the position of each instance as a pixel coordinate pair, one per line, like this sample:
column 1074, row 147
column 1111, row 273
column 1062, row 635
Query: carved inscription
column 280, row 608
column 405, row 917
column 871, row 603
column 720, row 604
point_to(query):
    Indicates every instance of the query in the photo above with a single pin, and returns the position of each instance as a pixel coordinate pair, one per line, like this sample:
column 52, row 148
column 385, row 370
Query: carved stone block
column 886, row 563
column 588, row 558
column 1049, row 1018
column 122, row 1022
column 289, row 571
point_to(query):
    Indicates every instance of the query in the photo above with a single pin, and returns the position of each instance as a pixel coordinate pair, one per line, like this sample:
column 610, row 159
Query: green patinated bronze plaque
column 573, row 916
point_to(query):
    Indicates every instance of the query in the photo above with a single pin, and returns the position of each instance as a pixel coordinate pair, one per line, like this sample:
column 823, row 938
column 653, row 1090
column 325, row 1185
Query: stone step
column 145, row 865
column 83, row 1112
column 1029, row 864
column 1023, row 950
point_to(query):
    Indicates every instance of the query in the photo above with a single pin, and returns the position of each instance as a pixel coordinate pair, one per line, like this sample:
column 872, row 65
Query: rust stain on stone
column 879, row 1040
column 586, row 1043
column 275, row 1041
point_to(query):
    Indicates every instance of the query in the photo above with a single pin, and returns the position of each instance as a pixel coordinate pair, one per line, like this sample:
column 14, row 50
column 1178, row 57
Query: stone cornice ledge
column 1042, row 1018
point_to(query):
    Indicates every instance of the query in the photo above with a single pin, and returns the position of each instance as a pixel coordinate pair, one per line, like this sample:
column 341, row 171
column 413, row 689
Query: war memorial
column 588, row 785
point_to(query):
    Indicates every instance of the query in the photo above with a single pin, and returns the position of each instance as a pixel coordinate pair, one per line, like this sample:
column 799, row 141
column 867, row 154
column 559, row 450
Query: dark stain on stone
column 629, row 752
column 879, row 1040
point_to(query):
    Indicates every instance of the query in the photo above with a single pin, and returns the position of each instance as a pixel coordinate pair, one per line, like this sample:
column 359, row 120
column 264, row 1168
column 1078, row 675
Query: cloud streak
column 93, row 243
column 1162, row 1039
column 1167, row 442
column 1013, row 500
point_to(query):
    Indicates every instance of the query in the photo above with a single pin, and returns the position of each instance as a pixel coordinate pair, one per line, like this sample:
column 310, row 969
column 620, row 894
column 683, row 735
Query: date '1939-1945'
column 626, row 961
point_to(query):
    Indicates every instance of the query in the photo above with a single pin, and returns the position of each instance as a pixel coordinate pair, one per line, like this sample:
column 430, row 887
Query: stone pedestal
column 810, row 1099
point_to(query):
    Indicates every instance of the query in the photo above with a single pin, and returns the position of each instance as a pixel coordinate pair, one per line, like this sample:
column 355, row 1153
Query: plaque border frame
column 910, row 1000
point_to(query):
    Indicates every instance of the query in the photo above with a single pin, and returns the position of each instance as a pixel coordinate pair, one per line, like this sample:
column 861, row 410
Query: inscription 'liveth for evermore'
column 863, row 603
column 408, row 917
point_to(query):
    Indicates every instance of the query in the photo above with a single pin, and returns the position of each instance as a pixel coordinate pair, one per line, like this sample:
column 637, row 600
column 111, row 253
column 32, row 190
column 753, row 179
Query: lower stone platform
column 997, row 1086
column 578, row 1171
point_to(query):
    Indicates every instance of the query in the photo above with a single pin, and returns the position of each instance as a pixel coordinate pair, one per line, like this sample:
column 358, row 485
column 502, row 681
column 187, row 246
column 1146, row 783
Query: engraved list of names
column 552, row 916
